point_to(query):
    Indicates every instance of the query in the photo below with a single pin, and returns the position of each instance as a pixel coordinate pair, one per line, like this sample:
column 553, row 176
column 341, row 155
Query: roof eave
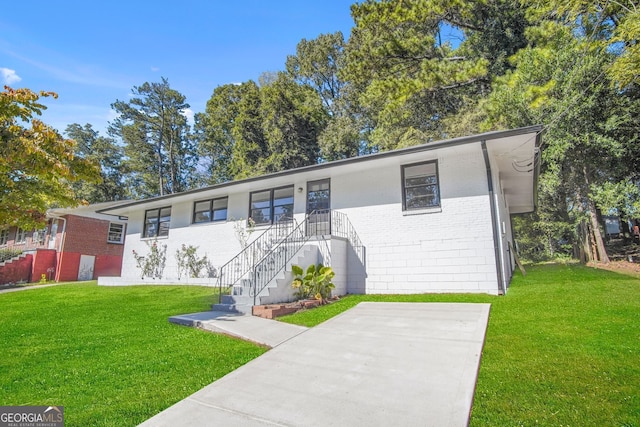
column 402, row 151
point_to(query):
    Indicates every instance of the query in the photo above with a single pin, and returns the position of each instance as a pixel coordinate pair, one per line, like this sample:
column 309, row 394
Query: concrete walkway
column 378, row 364
column 251, row 328
column 26, row 288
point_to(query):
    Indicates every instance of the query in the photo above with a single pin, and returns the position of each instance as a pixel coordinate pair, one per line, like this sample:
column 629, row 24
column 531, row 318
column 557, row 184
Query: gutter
column 62, row 240
column 409, row 150
column 494, row 218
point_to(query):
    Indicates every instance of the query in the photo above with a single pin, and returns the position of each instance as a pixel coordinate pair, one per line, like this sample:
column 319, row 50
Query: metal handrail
column 276, row 260
column 236, row 269
column 265, row 257
column 342, row 227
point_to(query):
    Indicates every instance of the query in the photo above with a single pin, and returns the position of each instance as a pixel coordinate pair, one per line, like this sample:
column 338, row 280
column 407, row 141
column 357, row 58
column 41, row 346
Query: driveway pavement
column 378, row 364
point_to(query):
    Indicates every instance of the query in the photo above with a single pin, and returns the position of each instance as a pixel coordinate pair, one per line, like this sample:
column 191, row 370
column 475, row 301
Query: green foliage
column 190, row 264
column 292, row 120
column 408, row 80
column 158, row 145
column 318, row 64
column 610, row 26
column 230, row 132
column 105, row 152
column 618, row 197
column 37, row 165
column 589, row 142
column 8, row 253
column 152, row 265
column 544, row 235
column 315, row 282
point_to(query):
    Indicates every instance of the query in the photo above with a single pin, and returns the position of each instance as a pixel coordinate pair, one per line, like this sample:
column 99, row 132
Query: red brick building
column 76, row 244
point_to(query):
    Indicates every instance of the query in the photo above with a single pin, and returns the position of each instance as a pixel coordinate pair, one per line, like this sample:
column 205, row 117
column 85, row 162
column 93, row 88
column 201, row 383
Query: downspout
column 61, row 245
column 494, row 219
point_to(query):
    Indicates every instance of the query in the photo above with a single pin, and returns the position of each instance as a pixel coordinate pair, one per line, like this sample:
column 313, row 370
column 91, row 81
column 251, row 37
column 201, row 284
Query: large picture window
column 210, row 210
column 268, row 206
column 156, row 222
column 420, row 186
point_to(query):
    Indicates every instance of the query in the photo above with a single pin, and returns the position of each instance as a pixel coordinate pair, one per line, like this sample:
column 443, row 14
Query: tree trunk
column 598, row 241
column 584, row 248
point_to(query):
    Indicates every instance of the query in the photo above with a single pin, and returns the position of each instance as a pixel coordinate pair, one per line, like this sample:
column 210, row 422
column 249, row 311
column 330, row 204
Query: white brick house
column 429, row 218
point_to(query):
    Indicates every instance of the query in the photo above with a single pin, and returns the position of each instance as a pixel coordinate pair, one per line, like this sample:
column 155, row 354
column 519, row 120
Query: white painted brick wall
column 449, row 250
column 446, row 251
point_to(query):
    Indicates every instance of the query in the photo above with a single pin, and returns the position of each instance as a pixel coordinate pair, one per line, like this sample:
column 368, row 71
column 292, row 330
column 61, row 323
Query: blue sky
column 92, row 53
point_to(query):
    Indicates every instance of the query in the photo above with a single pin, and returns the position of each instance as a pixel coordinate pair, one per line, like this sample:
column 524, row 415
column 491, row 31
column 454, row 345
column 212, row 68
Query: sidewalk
column 251, row 328
column 25, row 288
column 378, row 364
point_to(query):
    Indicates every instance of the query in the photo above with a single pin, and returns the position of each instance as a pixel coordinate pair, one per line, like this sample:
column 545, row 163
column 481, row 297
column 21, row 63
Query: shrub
column 314, row 283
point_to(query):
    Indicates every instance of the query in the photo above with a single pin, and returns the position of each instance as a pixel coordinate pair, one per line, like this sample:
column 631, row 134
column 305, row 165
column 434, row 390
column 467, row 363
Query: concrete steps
column 278, row 290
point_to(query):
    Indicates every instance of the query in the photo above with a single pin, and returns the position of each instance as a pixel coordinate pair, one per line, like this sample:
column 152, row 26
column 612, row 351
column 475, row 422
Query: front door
column 319, row 207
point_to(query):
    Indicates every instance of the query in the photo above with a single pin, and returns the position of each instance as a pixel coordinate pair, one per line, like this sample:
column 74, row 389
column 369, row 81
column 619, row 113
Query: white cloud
column 9, row 76
column 188, row 113
column 154, row 69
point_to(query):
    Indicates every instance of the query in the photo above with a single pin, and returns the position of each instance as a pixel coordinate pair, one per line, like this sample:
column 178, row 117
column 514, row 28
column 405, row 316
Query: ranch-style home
column 429, row 218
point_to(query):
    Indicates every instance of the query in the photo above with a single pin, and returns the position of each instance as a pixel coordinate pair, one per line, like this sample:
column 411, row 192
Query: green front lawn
column 108, row 354
column 562, row 348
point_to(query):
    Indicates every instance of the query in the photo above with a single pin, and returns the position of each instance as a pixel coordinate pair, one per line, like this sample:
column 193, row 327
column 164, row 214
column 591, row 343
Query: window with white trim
column 156, row 222
column 116, row 232
column 420, row 188
column 210, row 210
column 21, row 236
column 4, row 237
column 269, row 205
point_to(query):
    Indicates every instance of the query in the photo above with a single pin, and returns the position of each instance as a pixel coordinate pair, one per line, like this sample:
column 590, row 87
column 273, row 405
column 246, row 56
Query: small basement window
column 420, row 188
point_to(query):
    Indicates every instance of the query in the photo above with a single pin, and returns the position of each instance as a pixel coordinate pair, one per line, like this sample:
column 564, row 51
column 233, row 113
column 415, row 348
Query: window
column 4, row 237
column 116, row 233
column 156, row 222
column 39, row 236
column 21, row 236
column 210, row 210
column 420, row 186
column 267, row 205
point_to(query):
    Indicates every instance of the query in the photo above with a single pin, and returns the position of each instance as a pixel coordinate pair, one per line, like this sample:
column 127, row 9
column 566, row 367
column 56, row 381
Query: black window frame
column 157, row 234
column 212, row 210
column 272, row 207
column 436, row 185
